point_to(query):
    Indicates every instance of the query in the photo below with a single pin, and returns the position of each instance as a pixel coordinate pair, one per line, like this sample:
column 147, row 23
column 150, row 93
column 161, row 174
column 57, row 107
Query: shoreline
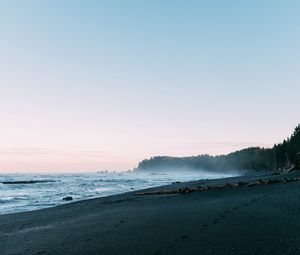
column 37, row 193
column 150, row 221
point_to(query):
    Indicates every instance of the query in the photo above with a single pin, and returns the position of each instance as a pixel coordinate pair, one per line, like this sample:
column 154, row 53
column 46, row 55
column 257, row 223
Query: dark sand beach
column 183, row 218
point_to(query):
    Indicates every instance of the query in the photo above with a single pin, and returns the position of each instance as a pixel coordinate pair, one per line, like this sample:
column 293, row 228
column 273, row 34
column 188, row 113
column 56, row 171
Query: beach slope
column 248, row 215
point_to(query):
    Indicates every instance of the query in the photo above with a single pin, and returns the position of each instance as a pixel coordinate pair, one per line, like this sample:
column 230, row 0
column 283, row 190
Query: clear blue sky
column 88, row 85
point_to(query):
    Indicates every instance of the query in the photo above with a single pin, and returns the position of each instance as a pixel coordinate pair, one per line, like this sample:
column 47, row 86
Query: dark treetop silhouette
column 284, row 155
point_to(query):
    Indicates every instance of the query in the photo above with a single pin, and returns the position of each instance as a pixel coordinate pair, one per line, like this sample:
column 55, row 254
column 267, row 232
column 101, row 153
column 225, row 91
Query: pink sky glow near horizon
column 96, row 85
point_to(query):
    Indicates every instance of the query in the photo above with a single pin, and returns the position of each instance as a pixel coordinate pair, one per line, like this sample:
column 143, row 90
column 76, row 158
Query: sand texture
column 245, row 215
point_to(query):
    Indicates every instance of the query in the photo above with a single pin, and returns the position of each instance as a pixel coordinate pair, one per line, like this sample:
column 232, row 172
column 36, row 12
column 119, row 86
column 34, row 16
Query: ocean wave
column 51, row 191
column 26, row 182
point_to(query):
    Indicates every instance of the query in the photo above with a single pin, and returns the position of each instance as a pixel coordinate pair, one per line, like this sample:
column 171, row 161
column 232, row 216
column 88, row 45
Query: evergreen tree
column 279, row 157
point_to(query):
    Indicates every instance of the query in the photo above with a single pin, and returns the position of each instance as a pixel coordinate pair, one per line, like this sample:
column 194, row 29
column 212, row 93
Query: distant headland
column 282, row 156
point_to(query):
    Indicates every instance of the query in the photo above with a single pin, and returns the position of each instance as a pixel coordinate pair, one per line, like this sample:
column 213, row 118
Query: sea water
column 80, row 186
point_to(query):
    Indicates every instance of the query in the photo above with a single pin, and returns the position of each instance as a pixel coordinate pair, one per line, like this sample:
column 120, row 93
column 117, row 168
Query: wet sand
column 204, row 217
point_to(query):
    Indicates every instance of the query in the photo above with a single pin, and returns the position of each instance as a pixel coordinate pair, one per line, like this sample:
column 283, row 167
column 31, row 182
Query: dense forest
column 285, row 155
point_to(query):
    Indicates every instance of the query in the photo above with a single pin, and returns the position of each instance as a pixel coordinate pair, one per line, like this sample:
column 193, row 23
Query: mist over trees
column 282, row 156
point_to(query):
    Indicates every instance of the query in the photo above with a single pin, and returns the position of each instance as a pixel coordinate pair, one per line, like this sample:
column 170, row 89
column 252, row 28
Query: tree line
column 281, row 156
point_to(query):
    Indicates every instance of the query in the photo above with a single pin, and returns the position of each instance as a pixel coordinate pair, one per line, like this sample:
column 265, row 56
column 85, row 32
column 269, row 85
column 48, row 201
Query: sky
column 93, row 85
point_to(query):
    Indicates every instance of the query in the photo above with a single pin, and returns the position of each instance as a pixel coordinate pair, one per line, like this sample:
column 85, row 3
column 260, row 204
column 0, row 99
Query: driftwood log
column 187, row 190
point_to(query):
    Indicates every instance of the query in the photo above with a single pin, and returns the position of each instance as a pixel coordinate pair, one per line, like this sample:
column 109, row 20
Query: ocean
column 50, row 189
